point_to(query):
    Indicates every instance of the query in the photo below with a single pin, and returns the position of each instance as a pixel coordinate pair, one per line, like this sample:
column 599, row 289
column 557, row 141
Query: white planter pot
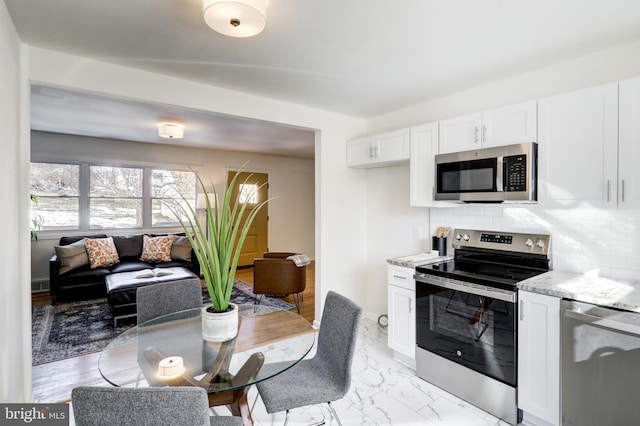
column 220, row 327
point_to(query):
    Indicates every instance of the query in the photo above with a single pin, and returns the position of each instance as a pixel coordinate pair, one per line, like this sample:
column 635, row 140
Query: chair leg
column 257, row 302
column 296, row 300
column 334, row 414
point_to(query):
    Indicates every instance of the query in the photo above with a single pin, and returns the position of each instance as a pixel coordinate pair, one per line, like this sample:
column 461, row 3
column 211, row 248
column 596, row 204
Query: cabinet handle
column 623, row 190
column 608, row 190
column 410, row 306
column 522, row 310
column 399, row 277
column 371, row 151
column 484, row 133
column 476, row 130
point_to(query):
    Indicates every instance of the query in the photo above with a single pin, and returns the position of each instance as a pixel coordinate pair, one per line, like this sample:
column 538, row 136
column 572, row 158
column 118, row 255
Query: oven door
column 471, row 325
column 476, row 179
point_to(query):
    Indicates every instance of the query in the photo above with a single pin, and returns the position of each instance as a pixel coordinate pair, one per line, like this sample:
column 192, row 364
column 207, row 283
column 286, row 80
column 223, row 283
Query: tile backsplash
column 583, row 240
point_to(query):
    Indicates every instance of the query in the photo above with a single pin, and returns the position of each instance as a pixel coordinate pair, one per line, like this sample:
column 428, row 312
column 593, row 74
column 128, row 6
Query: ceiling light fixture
column 235, row 18
column 171, row 130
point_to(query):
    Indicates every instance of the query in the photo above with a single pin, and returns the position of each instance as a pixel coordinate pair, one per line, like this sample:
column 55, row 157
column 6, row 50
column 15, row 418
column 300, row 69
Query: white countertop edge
column 587, row 288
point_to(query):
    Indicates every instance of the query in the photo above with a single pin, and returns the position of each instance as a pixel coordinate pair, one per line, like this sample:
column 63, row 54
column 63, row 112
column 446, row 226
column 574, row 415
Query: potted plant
column 217, row 244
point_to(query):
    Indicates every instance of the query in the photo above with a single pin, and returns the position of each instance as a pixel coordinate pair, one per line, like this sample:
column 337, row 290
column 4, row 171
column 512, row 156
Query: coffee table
column 226, row 370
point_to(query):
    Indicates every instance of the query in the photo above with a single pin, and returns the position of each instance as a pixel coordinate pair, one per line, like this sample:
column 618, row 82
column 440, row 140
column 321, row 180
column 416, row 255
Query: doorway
column 254, row 189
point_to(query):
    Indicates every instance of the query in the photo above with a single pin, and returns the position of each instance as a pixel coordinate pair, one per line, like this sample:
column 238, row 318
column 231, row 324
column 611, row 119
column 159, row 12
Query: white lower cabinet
column 402, row 314
column 539, row 358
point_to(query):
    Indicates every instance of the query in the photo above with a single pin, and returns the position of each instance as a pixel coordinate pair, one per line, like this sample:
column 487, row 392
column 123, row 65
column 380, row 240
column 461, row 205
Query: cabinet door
column 402, row 320
column 539, row 356
column 510, row 125
column 578, row 144
column 360, row 152
column 392, row 147
column 424, row 147
column 460, row 133
column 629, row 145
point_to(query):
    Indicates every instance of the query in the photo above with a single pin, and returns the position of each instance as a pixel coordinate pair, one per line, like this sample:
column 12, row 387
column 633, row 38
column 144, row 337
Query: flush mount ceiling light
column 235, row 18
column 171, row 130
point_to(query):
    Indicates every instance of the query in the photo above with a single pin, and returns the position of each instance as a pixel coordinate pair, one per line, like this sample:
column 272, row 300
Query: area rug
column 78, row 328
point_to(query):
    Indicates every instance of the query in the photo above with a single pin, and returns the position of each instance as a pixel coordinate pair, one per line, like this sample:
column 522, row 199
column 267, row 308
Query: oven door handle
column 499, row 294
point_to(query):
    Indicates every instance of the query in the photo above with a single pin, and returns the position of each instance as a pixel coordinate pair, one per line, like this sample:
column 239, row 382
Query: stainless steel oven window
column 466, row 319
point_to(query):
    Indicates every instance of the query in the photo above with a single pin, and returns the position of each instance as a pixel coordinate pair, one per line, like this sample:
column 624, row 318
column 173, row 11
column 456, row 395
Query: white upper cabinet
column 384, row 149
column 424, row 147
column 629, row 145
column 578, row 146
column 500, row 126
column 460, row 133
column 509, row 125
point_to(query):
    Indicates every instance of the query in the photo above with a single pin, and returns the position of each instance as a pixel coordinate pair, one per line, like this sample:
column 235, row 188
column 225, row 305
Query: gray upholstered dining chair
column 107, row 406
column 164, row 298
column 327, row 376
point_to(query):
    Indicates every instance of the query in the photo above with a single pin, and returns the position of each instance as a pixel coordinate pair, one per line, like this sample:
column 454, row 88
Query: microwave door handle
column 500, row 174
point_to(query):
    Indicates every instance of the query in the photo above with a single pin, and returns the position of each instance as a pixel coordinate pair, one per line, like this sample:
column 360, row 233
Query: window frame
column 84, row 197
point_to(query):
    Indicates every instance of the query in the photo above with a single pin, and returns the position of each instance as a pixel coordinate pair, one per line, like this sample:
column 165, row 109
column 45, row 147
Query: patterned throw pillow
column 101, row 251
column 156, row 249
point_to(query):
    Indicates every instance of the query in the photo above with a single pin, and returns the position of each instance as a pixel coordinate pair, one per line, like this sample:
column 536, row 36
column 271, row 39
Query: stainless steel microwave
column 489, row 175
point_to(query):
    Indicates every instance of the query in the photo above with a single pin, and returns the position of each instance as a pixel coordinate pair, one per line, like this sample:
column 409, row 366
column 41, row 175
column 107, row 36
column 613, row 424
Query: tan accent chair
column 273, row 274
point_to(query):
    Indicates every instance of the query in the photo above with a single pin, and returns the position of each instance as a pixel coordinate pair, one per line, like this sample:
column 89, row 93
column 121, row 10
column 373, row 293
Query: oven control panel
column 507, row 241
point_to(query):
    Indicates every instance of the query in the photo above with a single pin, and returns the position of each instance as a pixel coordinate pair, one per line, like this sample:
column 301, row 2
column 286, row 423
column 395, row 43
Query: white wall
column 392, row 227
column 292, row 181
column 15, row 303
column 340, row 231
column 601, row 67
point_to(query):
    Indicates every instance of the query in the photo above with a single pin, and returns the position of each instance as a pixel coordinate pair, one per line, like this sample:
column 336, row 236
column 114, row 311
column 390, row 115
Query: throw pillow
column 72, row 256
column 102, row 252
column 181, row 248
column 156, row 249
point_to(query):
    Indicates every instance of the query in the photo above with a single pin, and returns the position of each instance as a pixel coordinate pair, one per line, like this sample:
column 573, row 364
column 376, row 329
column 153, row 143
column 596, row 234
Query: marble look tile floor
column 383, row 392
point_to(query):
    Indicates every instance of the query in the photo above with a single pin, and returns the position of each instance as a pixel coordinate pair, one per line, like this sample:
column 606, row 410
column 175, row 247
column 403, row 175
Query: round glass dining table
column 170, row 351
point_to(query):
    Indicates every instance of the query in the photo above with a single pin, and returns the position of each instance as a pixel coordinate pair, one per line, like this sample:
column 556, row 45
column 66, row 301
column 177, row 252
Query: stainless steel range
column 467, row 315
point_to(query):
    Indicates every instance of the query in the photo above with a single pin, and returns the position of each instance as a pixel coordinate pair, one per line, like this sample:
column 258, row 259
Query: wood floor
column 54, row 381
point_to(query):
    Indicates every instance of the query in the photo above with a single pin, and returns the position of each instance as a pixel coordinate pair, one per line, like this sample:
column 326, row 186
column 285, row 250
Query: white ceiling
column 358, row 57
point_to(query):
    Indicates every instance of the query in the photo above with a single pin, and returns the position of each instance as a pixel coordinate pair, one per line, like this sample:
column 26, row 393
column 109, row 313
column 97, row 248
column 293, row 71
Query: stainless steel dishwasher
column 600, row 366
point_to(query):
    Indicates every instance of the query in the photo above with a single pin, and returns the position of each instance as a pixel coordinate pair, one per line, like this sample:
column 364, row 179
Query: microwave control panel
column 515, row 169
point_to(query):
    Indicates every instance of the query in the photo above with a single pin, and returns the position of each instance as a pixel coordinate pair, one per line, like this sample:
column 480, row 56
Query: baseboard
column 40, row 286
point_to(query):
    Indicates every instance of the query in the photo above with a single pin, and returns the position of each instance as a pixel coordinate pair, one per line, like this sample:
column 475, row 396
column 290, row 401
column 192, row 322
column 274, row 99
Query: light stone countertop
column 414, row 260
column 607, row 292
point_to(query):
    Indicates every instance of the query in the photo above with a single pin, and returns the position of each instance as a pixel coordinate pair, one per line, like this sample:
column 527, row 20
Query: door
column 360, row 152
column 402, row 324
column 256, row 190
column 460, row 133
column 577, row 145
column 629, row 145
column 509, row 125
column 424, row 147
column 539, row 356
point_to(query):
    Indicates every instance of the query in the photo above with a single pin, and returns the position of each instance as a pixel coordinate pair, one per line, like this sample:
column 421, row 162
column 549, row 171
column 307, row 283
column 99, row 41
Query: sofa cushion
column 128, row 246
column 72, row 256
column 102, row 252
column 65, row 241
column 83, row 275
column 156, row 249
column 130, row 266
column 181, row 248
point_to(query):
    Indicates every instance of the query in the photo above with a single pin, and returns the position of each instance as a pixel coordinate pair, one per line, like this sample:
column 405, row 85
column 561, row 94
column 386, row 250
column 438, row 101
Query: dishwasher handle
column 603, row 322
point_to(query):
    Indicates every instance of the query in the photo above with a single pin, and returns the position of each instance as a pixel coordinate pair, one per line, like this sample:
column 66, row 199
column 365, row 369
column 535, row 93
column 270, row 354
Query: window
column 167, row 187
column 115, row 197
column 57, row 187
column 248, row 193
column 89, row 197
